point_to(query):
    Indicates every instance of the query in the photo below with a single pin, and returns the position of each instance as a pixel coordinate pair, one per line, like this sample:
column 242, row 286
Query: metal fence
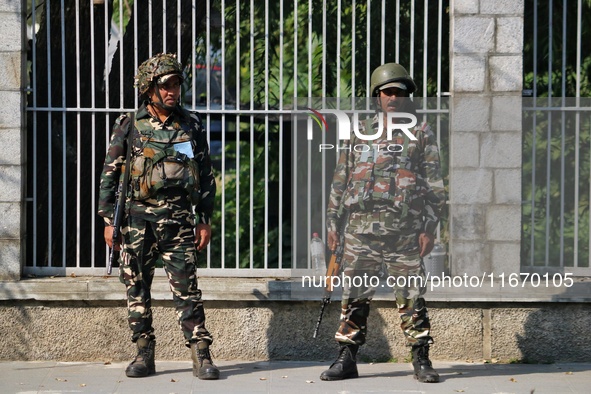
column 247, row 62
column 557, row 128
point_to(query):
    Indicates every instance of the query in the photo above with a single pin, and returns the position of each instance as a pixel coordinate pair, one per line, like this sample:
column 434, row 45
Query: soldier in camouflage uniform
column 168, row 210
column 393, row 194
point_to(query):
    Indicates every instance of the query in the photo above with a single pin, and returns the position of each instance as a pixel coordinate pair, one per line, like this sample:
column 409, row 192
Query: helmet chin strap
column 160, row 102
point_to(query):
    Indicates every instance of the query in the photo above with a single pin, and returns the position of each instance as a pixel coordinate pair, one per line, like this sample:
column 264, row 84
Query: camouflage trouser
column 370, row 255
column 144, row 243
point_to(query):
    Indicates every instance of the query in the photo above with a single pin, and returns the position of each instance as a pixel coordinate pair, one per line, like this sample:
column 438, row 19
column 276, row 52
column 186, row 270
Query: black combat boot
column 345, row 366
column 424, row 371
column 143, row 364
column 203, row 367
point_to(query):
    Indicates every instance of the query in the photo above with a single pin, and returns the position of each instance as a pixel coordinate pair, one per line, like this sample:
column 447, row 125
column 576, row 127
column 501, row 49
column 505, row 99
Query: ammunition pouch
column 158, row 168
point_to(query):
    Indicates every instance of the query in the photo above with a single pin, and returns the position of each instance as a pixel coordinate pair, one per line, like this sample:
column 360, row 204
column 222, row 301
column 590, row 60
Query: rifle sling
column 130, row 130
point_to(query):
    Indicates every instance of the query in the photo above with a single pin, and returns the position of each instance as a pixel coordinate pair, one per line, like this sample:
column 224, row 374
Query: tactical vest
column 387, row 178
column 160, row 164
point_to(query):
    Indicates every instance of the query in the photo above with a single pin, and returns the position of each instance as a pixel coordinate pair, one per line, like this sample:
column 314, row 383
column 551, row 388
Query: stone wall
column 12, row 131
column 282, row 330
column 485, row 159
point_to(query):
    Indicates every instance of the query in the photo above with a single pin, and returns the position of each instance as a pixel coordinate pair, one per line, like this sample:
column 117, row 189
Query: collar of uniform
column 142, row 111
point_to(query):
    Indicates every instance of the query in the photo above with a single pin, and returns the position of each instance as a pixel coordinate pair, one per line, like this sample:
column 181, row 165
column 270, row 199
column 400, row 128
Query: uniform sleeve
column 338, row 187
column 435, row 196
column 109, row 180
column 204, row 209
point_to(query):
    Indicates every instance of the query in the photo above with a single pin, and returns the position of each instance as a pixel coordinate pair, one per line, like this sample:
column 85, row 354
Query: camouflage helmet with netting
column 388, row 73
column 155, row 67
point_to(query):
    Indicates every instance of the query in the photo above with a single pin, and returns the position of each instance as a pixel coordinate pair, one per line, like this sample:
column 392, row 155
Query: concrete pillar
column 12, row 131
column 485, row 160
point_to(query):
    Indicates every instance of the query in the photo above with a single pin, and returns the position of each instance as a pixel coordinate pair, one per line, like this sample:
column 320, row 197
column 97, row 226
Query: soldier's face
column 170, row 91
column 392, row 99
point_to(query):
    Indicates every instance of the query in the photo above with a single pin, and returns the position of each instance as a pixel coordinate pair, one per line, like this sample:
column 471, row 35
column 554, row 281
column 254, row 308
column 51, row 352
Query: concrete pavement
column 293, row 377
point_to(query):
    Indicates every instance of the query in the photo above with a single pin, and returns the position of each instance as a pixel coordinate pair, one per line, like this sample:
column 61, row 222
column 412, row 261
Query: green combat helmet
column 391, row 72
column 155, row 67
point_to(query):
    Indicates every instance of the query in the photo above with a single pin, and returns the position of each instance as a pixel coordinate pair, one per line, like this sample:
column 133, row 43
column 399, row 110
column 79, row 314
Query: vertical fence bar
column 339, row 43
column 368, row 48
column 238, row 100
column 34, row 158
column 412, row 38
column 324, row 47
column 309, row 146
column 383, row 33
column 121, row 55
column 178, row 29
column 281, row 131
column 577, row 136
column 295, row 214
column 193, row 59
column 49, row 144
column 397, row 47
column 251, row 161
column 164, row 25
column 425, row 46
column 549, row 133
column 439, row 51
column 64, row 131
column 135, row 53
column 78, row 150
column 223, row 131
column 266, row 193
column 208, row 67
column 353, row 53
column 150, row 24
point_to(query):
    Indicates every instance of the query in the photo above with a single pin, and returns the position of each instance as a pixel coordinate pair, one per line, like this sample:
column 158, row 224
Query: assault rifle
column 333, row 269
column 121, row 196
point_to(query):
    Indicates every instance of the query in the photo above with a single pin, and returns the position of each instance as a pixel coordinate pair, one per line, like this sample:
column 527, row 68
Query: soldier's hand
column 202, row 235
column 333, row 240
column 109, row 238
column 426, row 243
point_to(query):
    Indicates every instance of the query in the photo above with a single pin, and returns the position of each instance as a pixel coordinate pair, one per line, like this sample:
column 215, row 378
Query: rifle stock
column 121, row 197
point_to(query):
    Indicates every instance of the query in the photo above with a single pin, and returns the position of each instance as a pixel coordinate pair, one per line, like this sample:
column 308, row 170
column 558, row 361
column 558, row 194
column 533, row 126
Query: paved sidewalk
column 293, row 377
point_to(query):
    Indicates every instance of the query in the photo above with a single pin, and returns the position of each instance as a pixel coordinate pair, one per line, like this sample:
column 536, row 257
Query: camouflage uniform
column 391, row 197
column 160, row 226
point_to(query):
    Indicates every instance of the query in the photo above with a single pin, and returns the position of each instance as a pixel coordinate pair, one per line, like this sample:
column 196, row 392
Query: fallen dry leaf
column 568, row 373
column 262, row 378
column 513, row 380
column 309, row 381
column 173, row 381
